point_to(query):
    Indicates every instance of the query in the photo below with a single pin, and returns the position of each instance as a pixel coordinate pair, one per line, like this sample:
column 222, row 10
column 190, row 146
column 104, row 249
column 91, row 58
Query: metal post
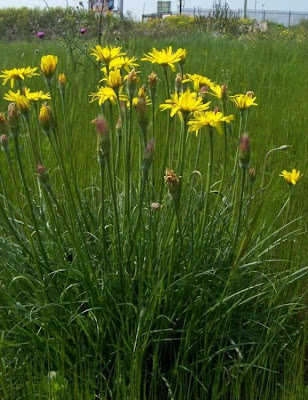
column 120, row 6
column 245, row 8
column 289, row 18
column 180, row 6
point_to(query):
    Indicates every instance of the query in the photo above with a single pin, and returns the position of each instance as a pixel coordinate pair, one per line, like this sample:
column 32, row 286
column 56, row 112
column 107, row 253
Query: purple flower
column 82, row 31
column 40, row 34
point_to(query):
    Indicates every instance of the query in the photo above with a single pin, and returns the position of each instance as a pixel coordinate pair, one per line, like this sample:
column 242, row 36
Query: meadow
column 140, row 260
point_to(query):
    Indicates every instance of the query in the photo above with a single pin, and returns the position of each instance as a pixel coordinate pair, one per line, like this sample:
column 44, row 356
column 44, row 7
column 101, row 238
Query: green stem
column 239, row 220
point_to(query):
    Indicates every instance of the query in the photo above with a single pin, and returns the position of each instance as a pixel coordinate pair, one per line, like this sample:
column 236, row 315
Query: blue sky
column 137, row 7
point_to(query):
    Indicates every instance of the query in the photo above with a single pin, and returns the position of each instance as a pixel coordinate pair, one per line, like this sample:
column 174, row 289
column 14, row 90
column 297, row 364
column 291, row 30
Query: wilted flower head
column 291, row 177
column 103, row 141
column 132, row 81
column 13, row 119
column 40, row 34
column 2, row 123
column 152, row 81
column 252, row 175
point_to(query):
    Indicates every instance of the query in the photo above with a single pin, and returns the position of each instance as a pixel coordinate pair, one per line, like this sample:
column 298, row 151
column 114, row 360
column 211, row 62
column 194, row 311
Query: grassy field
column 201, row 295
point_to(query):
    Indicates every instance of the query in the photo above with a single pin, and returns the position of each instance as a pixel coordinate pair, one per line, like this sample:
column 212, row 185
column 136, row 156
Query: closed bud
column 3, row 127
column 173, row 183
column 46, row 118
column 13, row 119
column 132, row 81
column 119, row 127
column 142, row 113
column 178, row 82
column 62, row 82
column 152, row 81
column 103, row 140
column 203, row 93
column 43, row 176
column 224, row 94
column 4, row 142
column 244, row 151
column 252, row 175
column 148, row 155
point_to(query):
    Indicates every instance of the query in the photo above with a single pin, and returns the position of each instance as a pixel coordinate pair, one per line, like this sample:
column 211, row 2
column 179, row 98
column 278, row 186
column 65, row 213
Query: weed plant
column 155, row 254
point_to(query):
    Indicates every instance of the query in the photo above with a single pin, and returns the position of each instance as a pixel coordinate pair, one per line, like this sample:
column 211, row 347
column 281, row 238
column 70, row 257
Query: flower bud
column 13, row 119
column 148, row 155
column 62, row 82
column 4, row 142
column 46, row 118
column 23, row 104
column 178, row 82
column 103, row 141
column 252, row 175
column 173, row 183
column 43, row 176
column 155, row 206
column 203, row 92
column 48, row 65
column 142, row 113
column 132, row 80
column 152, row 80
column 119, row 127
column 3, row 127
column 244, row 151
column 224, row 94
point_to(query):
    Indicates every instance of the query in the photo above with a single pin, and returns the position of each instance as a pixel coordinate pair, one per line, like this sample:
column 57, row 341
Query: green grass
column 109, row 299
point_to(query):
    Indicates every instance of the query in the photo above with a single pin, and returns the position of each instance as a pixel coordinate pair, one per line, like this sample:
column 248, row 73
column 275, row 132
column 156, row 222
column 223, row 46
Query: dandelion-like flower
column 18, row 74
column 184, row 103
column 291, row 177
column 107, row 53
column 198, row 81
column 31, row 96
column 164, row 57
column 23, row 104
column 123, row 62
column 114, row 79
column 104, row 94
column 220, row 92
column 244, row 101
column 208, row 118
column 48, row 65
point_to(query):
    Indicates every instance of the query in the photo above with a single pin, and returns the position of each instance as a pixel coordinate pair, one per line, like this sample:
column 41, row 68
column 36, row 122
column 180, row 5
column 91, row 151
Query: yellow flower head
column 104, row 94
column 198, row 81
column 62, row 80
column 31, row 96
column 183, row 56
column 23, row 104
column 291, row 177
column 17, row 74
column 221, row 92
column 107, row 53
column 46, row 117
column 208, row 118
column 244, row 101
column 123, row 62
column 184, row 103
column 114, row 79
column 48, row 65
column 164, row 57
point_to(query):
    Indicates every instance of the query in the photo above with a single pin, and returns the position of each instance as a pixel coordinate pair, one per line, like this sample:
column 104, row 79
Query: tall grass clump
column 139, row 256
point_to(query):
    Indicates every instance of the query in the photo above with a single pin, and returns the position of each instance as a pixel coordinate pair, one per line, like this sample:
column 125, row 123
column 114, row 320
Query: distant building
column 163, row 7
column 99, row 5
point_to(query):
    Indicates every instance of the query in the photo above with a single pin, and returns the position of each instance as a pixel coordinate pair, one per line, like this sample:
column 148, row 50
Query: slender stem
column 239, row 220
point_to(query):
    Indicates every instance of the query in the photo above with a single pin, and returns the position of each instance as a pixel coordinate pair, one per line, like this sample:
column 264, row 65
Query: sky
column 138, row 7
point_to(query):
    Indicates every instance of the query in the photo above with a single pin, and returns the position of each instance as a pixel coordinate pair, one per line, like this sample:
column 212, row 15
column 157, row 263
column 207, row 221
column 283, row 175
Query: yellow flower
column 107, row 53
column 184, row 103
column 123, row 62
column 164, row 57
column 48, row 65
column 221, row 92
column 62, row 80
column 17, row 74
column 114, row 79
column 22, row 103
column 244, row 101
column 208, row 118
column 291, row 177
column 104, row 94
column 31, row 96
column 46, row 117
column 198, row 81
